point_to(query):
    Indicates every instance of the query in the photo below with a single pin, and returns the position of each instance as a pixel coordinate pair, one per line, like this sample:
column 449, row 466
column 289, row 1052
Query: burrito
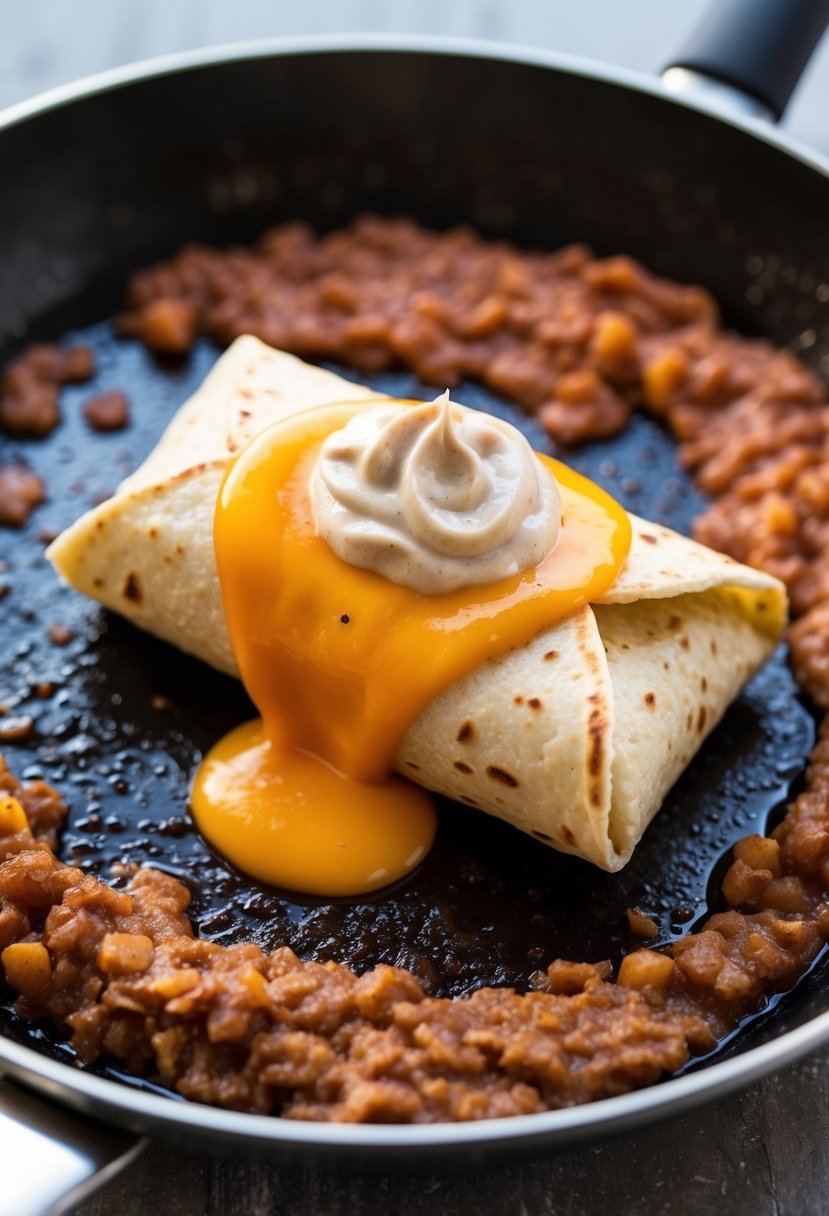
column 574, row 737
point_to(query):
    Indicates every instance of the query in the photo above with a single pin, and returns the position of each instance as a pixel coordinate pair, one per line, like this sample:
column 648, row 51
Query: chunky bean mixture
column 582, row 343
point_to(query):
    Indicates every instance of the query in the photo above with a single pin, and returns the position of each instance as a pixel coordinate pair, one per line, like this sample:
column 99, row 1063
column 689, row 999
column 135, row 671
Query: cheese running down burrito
column 574, row 737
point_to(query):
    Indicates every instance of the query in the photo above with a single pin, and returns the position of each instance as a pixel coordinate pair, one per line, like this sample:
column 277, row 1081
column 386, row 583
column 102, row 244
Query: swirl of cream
column 434, row 496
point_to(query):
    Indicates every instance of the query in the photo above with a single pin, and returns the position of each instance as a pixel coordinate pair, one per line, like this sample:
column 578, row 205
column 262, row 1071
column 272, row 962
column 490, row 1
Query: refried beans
column 582, row 343
column 269, row 1033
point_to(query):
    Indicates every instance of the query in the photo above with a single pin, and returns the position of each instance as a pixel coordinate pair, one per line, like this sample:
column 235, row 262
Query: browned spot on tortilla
column 567, row 834
column 99, row 524
column 519, row 700
column 244, row 413
column 703, row 684
column 132, row 589
column 689, row 721
column 98, row 583
column 684, row 643
column 501, row 774
column 550, row 655
column 666, row 665
column 466, row 732
column 179, row 550
column 762, row 606
column 534, row 703
column 713, row 646
column 674, row 621
column 646, row 536
column 701, row 716
column 587, row 652
column 461, row 767
column 153, row 533
column 542, row 836
column 596, row 726
column 411, row 764
column 624, row 646
column 468, row 800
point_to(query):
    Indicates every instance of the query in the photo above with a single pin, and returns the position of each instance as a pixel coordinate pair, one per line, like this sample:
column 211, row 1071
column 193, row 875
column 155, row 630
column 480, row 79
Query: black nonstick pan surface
column 99, row 181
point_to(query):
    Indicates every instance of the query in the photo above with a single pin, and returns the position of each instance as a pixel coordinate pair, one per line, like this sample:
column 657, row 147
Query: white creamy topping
column 434, row 496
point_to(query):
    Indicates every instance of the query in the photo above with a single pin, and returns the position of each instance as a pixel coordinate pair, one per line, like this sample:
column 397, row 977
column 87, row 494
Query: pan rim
column 143, row 1111
column 158, row 66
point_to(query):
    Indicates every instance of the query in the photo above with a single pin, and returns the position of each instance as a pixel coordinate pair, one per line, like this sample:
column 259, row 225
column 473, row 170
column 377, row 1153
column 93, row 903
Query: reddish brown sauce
column 21, row 491
column 29, row 387
column 108, row 411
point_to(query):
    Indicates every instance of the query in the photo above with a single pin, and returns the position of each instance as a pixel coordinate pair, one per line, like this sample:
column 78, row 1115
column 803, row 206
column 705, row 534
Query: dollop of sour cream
column 435, row 497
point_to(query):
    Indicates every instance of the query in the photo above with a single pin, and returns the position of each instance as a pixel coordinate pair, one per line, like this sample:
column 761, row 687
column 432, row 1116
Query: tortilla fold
column 575, row 737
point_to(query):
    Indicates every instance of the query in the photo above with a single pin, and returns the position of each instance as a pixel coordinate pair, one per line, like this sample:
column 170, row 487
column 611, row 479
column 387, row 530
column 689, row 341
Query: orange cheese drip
column 340, row 661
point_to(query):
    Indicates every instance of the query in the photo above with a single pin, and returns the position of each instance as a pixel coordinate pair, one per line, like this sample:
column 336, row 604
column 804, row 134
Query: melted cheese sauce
column 340, row 661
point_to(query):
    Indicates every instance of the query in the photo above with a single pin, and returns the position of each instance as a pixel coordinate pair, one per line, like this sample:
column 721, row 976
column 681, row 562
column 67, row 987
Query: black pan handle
column 756, row 47
column 50, row 1159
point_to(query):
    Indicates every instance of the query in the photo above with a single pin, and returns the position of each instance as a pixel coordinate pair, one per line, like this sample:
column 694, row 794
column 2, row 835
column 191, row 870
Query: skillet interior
column 218, row 153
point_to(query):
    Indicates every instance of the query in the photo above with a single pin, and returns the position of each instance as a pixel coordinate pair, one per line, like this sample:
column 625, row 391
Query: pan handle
column 749, row 54
column 51, row 1159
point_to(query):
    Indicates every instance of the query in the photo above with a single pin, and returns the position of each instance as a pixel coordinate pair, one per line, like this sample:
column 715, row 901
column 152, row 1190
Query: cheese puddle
column 340, row 662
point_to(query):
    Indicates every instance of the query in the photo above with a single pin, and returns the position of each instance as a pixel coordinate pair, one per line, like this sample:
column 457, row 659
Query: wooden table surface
column 763, row 1151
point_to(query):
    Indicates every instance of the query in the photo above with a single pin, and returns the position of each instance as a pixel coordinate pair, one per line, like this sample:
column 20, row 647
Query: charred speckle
column 542, row 836
column 650, row 699
column 465, row 733
column 519, row 700
column 596, row 731
column 132, row 589
column 534, row 703
column 461, row 767
column 411, row 764
column 345, row 619
column 567, row 834
column 500, row 774
column 701, row 719
column 651, row 540
column 550, row 655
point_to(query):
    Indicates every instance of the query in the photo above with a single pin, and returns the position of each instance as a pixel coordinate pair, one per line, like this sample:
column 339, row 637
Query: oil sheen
column 340, row 661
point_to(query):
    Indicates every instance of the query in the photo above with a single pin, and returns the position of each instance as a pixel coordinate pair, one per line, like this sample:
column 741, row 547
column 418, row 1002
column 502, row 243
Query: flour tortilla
column 574, row 738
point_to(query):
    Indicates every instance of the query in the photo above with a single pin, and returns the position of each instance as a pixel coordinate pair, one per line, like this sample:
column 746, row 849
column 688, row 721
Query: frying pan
column 105, row 176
